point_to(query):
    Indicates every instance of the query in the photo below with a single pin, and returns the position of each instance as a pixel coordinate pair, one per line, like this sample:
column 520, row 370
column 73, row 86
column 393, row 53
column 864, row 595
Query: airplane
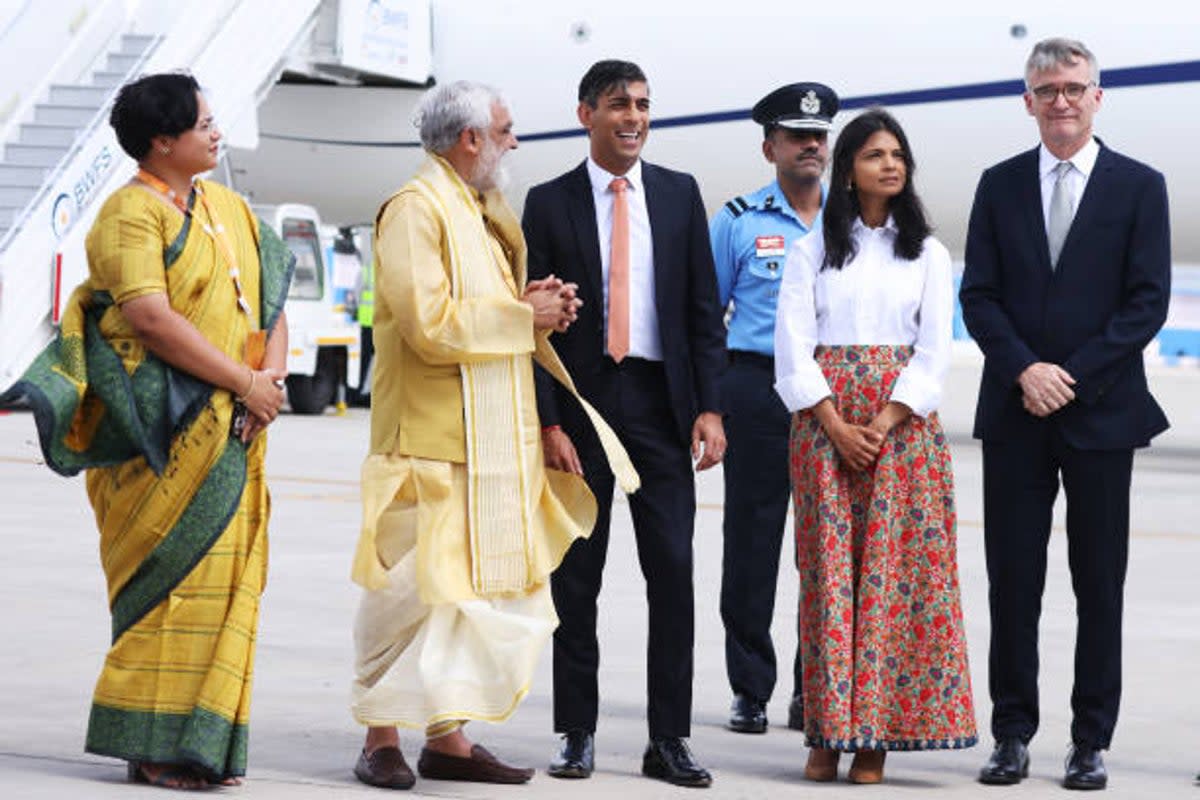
column 337, row 136
column 951, row 72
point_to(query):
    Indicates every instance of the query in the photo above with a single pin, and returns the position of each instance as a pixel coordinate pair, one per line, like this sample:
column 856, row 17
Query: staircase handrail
column 183, row 24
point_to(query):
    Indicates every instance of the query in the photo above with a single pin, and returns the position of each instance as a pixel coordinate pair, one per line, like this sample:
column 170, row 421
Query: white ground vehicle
column 323, row 341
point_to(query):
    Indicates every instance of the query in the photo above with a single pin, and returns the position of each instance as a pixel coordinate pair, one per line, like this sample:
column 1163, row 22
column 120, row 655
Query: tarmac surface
column 54, row 628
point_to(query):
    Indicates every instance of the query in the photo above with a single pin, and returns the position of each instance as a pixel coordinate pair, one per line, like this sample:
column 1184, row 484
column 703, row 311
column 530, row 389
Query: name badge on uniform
column 765, row 246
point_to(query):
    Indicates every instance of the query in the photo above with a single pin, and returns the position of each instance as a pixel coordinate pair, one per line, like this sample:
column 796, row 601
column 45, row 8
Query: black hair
column 155, row 105
column 842, row 207
column 603, row 76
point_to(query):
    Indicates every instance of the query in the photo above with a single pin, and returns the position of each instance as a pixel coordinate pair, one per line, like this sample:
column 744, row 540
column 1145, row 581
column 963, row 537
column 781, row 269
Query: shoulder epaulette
column 737, row 206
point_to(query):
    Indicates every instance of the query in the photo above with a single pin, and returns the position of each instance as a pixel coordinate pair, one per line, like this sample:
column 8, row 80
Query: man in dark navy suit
column 1067, row 279
column 647, row 351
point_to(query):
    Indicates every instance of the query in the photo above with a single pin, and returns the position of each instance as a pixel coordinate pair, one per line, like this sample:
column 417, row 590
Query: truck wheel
column 311, row 394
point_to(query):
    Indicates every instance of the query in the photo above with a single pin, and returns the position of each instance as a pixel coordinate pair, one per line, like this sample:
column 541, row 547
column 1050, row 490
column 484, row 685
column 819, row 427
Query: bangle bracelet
column 242, row 397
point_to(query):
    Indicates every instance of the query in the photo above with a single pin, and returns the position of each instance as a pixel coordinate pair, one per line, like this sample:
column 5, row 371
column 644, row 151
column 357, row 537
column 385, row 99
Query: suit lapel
column 656, row 208
column 1031, row 185
column 582, row 213
column 1099, row 183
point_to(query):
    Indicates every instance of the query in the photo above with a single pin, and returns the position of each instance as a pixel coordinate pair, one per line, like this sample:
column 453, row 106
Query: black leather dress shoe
column 1085, row 769
column 670, row 760
column 1008, row 764
column 576, row 758
column 796, row 712
column 747, row 715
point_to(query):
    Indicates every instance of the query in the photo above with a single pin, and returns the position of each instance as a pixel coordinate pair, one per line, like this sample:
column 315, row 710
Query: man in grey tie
column 1067, row 280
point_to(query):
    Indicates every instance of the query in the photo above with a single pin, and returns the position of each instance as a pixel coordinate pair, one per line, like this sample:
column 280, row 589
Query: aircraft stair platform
column 60, row 156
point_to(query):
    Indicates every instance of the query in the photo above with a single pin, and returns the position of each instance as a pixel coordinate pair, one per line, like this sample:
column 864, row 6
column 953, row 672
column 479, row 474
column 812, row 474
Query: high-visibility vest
column 366, row 295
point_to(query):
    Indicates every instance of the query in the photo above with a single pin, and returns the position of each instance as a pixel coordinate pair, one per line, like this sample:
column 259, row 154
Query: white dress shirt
column 1075, row 181
column 876, row 298
column 644, row 339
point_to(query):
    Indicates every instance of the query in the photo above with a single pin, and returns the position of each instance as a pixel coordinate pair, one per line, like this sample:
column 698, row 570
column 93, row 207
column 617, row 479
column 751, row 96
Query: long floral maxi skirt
column 885, row 656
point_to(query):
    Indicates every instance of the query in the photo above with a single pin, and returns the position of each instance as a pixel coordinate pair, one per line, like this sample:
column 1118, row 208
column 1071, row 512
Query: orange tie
column 618, row 274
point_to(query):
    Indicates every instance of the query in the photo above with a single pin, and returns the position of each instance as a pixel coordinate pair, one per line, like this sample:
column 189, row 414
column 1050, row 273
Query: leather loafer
column 1085, row 769
column 1009, row 763
column 670, row 760
column 747, row 715
column 577, row 758
column 386, row 768
column 481, row 767
column 796, row 712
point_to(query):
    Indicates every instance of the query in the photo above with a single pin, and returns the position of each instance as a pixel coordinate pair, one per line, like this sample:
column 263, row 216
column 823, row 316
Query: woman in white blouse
column 862, row 343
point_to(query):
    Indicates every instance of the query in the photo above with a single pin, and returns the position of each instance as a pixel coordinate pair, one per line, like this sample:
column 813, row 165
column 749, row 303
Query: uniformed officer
column 750, row 239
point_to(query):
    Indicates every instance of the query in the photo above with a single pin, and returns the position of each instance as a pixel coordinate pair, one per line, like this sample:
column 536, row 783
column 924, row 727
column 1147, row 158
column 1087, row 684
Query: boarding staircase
column 43, row 143
column 60, row 156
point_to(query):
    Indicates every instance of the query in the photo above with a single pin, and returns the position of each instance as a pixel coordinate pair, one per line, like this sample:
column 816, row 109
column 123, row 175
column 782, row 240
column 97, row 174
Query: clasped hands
column 555, row 303
column 859, row 445
column 263, row 399
column 1045, row 388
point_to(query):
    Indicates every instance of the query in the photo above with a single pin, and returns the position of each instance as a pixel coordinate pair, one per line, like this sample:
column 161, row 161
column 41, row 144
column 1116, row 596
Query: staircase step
column 78, row 95
column 63, row 135
column 52, row 114
column 107, row 79
column 22, row 176
column 18, row 196
column 119, row 62
column 34, row 155
column 134, row 44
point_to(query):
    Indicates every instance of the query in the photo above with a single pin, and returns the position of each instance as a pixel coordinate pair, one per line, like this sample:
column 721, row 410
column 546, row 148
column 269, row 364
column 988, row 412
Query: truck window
column 308, row 282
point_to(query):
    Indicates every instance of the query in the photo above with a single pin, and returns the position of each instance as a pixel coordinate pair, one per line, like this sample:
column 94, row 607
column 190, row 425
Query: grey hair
column 1050, row 53
column 444, row 112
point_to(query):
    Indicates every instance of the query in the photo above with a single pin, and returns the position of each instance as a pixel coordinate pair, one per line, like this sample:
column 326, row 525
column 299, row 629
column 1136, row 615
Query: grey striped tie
column 1061, row 212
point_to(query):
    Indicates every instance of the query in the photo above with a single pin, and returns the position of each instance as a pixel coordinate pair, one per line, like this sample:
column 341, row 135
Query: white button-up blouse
column 876, row 298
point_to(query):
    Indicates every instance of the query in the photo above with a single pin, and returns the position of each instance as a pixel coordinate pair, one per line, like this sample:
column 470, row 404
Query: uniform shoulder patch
column 737, row 206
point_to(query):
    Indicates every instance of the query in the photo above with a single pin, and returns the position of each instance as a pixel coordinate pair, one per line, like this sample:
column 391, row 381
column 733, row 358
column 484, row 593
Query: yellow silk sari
column 180, row 504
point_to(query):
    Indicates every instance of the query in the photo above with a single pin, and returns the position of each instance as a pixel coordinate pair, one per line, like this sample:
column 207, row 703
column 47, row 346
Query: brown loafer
column 867, row 767
column 822, row 765
column 481, row 767
column 385, row 768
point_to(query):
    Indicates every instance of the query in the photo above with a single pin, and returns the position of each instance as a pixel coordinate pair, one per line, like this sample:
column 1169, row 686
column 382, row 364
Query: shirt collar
column 1084, row 160
column 771, row 196
column 601, row 178
column 889, row 225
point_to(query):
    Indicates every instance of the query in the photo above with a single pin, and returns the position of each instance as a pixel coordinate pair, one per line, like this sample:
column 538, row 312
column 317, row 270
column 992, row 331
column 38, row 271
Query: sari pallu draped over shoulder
column 180, row 504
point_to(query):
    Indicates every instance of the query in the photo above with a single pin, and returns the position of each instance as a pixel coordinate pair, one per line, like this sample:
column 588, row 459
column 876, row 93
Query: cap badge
column 809, row 104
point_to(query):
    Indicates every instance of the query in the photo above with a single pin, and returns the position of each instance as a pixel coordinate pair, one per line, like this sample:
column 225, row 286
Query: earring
column 166, row 151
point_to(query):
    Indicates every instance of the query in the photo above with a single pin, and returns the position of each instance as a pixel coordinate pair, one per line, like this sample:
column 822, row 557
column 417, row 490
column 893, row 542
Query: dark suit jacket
column 1093, row 315
column 560, row 230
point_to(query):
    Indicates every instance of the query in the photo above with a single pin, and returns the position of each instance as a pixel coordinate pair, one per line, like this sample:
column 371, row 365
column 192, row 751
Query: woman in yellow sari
column 167, row 366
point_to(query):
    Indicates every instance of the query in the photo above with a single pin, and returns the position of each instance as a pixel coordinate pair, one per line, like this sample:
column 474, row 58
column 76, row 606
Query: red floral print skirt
column 885, row 656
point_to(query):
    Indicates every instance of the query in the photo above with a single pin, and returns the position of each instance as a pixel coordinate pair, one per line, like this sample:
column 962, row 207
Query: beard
column 489, row 173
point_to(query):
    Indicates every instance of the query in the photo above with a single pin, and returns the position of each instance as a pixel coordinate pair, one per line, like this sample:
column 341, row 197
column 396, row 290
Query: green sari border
column 201, row 738
column 174, row 250
column 187, row 543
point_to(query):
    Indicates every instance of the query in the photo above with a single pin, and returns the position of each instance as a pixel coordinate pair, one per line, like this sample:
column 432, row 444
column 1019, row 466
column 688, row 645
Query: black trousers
column 757, row 490
column 1020, row 481
column 634, row 402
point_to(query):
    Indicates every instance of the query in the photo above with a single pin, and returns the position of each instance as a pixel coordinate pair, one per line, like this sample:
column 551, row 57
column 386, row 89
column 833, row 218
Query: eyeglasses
column 1048, row 93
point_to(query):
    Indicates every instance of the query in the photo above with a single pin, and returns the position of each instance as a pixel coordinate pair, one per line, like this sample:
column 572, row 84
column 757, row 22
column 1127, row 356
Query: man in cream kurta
column 462, row 522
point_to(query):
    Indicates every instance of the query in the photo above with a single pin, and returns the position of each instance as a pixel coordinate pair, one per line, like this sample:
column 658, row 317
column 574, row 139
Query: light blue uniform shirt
column 751, row 236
